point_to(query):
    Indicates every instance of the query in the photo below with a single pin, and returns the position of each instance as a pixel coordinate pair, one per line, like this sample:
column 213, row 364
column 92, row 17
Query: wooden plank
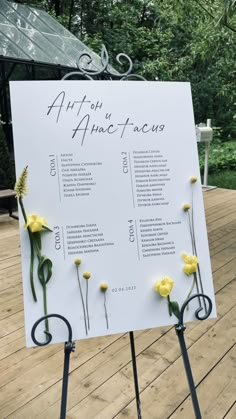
column 14, row 306
column 37, row 378
column 12, row 344
column 10, row 271
column 157, row 390
column 100, row 369
column 8, row 263
column 225, row 240
column 7, row 254
column 84, row 380
column 11, row 323
column 221, row 210
column 222, row 384
column 221, row 245
column 10, row 282
column 226, row 256
column 232, row 412
column 217, row 196
column 8, row 294
column 229, row 218
column 153, row 358
column 224, row 275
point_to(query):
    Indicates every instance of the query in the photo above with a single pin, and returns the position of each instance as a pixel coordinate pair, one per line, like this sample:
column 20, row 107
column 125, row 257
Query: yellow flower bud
column 86, row 275
column 191, row 263
column 189, row 258
column 186, row 206
column 78, row 261
column 193, row 179
column 189, row 269
column 35, row 223
column 164, row 286
column 103, row 286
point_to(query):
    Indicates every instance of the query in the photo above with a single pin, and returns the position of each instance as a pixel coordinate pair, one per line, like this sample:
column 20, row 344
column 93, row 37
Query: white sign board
column 109, row 167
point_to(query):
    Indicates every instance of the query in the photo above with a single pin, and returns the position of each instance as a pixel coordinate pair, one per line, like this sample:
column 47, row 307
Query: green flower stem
column 31, row 251
column 45, row 307
column 82, row 299
column 169, row 305
column 191, row 233
column 198, row 268
column 193, row 285
column 86, row 302
column 42, row 279
column 105, row 308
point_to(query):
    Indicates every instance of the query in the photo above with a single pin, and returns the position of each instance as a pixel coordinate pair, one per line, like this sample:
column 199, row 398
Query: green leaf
column 174, row 307
column 44, row 270
column 46, row 228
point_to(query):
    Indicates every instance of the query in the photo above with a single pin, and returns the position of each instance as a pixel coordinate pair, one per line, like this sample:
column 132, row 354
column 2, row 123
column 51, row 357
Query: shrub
column 222, row 156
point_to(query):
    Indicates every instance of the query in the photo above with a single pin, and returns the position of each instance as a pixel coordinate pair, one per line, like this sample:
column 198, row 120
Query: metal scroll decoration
column 200, row 313
column 91, row 69
column 48, row 334
column 68, row 348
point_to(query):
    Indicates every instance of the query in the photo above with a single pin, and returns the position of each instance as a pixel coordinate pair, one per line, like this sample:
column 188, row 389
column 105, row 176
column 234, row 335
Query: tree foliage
column 183, row 40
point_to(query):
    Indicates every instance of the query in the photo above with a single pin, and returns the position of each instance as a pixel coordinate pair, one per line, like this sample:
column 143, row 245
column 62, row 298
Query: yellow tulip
column 189, row 258
column 35, row 223
column 189, row 269
column 191, row 263
column 164, row 286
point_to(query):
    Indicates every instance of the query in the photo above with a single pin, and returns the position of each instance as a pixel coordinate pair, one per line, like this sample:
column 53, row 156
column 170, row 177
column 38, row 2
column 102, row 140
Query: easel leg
column 180, row 333
column 135, row 372
column 69, row 347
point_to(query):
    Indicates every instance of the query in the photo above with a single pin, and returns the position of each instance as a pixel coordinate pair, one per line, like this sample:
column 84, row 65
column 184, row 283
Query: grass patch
column 225, row 179
column 222, row 163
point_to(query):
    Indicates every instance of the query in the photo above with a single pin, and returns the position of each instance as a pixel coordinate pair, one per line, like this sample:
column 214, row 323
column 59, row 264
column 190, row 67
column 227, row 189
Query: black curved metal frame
column 180, row 328
column 68, row 348
column 107, row 72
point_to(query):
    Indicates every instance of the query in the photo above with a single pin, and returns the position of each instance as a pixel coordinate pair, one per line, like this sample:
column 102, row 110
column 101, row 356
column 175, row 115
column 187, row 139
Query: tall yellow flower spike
column 21, row 184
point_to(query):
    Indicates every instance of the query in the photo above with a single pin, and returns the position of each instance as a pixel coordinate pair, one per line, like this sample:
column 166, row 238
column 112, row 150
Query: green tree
column 182, row 40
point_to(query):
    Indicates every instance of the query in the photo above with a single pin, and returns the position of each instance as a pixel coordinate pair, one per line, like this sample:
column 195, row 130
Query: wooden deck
column 101, row 383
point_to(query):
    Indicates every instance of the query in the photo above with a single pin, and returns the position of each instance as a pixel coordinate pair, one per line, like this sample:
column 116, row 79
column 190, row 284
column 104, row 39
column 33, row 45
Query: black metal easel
column 68, row 348
column 180, row 328
column 106, row 72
